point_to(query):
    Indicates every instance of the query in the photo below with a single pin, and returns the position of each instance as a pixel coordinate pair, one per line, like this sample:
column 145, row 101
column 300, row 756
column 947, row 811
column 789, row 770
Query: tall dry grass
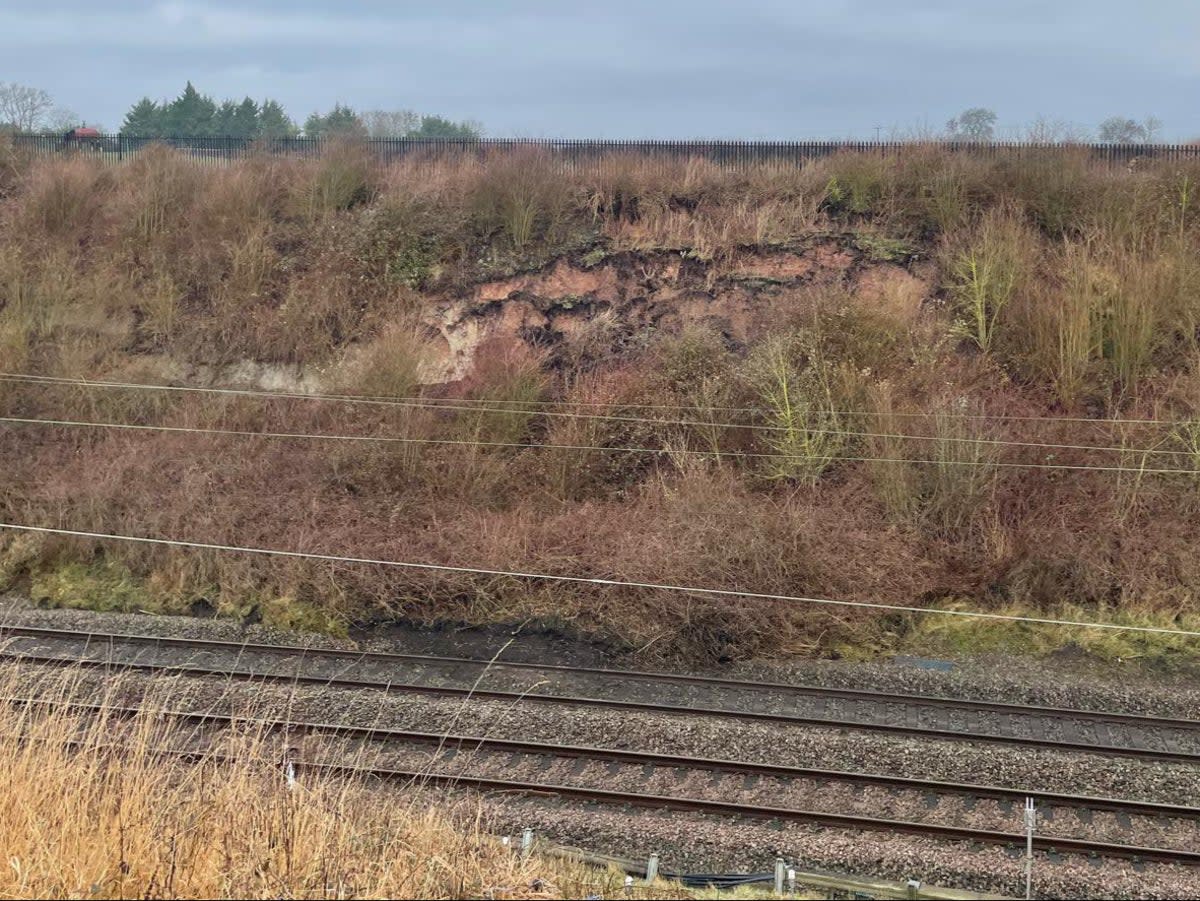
column 988, row 266
column 97, row 805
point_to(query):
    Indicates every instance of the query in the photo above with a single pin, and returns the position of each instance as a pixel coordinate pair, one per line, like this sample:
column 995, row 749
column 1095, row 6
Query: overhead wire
column 464, row 442
column 425, row 399
column 954, row 439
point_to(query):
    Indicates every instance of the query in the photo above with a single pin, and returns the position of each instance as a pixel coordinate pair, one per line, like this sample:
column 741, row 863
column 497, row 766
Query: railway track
column 456, row 755
column 922, row 716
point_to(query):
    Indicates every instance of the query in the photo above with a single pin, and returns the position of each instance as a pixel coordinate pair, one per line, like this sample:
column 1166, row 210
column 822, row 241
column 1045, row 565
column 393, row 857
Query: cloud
column 769, row 68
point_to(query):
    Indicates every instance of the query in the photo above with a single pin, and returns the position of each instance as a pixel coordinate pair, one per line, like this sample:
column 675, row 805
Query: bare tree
column 22, row 107
column 1055, row 131
column 1119, row 130
column 975, row 124
column 61, row 119
column 382, row 123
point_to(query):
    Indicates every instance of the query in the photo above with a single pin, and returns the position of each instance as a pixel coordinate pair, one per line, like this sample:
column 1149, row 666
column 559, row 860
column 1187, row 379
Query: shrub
column 896, row 481
column 1053, row 332
column 344, row 177
column 520, row 198
column 63, row 199
column 987, row 271
column 859, row 184
column 962, row 474
column 795, row 383
column 157, row 193
column 1056, row 188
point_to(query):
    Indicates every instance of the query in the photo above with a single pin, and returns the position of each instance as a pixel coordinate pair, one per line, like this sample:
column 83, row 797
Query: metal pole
column 1030, row 823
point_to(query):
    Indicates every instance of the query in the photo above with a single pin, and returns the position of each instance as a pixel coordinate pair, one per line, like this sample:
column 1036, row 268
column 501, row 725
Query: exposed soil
column 552, row 306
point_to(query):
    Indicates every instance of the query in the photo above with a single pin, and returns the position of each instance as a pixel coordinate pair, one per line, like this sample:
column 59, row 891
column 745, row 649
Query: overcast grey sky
column 656, row 68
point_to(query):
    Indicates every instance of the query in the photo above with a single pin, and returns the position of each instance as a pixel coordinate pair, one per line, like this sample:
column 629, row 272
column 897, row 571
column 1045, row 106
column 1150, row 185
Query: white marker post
column 1030, row 825
column 289, row 770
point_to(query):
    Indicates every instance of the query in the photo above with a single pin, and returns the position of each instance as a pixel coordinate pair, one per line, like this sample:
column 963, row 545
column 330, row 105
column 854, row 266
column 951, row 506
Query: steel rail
column 471, row 743
column 603, row 703
column 853, row 694
column 638, row 799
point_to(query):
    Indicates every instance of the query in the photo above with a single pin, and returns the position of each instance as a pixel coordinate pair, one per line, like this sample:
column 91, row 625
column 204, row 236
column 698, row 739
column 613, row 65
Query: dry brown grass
column 94, row 807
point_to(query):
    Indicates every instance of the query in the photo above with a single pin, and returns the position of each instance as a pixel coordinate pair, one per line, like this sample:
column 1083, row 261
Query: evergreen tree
column 222, row 122
column 144, row 119
column 439, row 127
column 193, row 114
column 244, row 123
column 190, row 114
column 273, row 122
column 341, row 121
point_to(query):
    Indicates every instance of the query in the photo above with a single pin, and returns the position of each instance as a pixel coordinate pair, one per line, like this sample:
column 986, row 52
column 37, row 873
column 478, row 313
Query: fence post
column 780, row 870
column 651, row 869
column 120, row 147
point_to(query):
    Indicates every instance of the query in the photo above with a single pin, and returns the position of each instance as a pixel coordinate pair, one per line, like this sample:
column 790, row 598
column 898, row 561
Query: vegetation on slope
column 1053, row 288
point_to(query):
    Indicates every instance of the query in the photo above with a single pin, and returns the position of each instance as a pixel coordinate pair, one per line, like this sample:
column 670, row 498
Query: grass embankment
column 1046, row 287
column 93, row 808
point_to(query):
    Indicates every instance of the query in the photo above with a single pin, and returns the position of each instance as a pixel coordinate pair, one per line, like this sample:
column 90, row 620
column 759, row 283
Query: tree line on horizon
column 979, row 124
column 193, row 114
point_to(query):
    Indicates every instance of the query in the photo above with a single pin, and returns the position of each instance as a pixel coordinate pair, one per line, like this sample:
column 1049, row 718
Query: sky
column 755, row 69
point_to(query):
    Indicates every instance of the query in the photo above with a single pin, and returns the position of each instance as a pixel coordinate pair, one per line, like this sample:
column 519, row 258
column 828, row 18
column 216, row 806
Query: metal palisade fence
column 581, row 154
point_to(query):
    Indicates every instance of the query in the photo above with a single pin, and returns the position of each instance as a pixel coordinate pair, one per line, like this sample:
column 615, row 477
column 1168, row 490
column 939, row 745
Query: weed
column 1081, row 285
column 962, row 477
column 520, row 198
column 881, row 249
column 343, row 178
column 107, row 585
column 896, row 481
column 795, row 383
column 988, row 272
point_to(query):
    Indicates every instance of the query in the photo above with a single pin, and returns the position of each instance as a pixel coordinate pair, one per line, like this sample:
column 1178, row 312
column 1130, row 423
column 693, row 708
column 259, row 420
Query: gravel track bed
column 1061, row 681
column 688, row 842
column 792, row 793
column 795, row 794
column 699, row 842
column 1013, row 726
column 704, row 843
column 683, row 735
